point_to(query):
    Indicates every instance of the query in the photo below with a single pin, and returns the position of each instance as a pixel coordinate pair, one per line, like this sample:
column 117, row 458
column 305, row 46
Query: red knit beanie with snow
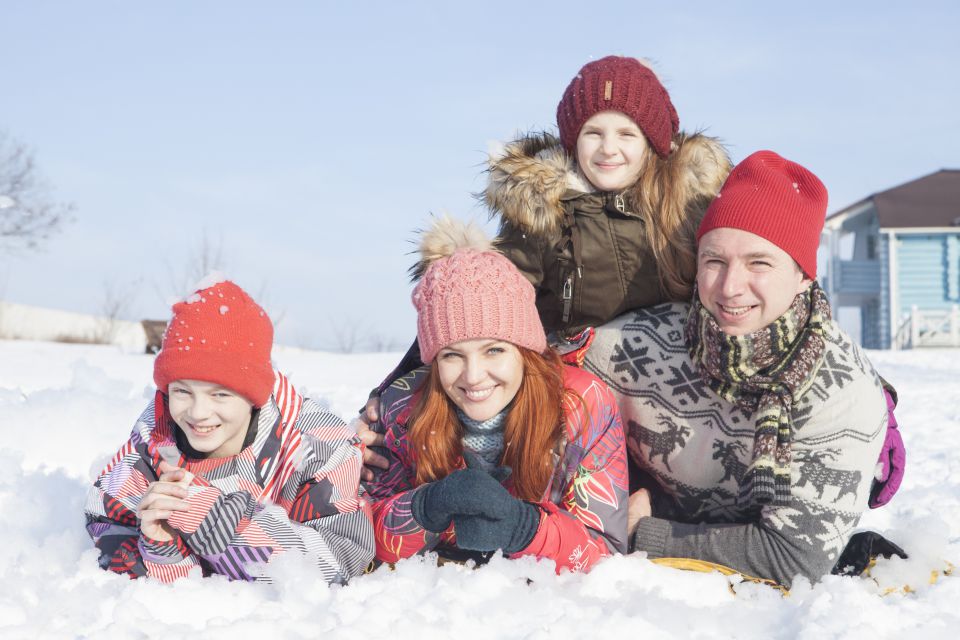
column 775, row 199
column 619, row 84
column 219, row 335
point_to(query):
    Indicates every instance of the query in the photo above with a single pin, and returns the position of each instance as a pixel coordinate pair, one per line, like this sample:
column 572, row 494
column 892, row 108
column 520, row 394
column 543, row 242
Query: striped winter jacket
column 584, row 507
column 295, row 488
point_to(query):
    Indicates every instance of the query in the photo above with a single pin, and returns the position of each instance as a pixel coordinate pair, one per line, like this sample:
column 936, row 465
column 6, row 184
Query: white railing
column 929, row 328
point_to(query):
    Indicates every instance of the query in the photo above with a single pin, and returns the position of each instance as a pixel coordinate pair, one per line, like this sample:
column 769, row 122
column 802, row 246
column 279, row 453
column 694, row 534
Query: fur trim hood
column 533, row 174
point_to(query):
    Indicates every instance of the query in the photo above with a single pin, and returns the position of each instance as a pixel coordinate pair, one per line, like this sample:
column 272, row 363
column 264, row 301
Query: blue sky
column 311, row 139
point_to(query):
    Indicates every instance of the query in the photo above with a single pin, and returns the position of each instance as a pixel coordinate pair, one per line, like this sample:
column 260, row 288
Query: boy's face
column 745, row 281
column 214, row 418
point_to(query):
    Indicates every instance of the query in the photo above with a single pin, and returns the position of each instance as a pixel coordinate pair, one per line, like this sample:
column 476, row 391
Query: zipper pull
column 620, row 204
column 567, row 297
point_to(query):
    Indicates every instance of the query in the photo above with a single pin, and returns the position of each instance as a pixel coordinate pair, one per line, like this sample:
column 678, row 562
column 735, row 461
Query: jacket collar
column 533, row 176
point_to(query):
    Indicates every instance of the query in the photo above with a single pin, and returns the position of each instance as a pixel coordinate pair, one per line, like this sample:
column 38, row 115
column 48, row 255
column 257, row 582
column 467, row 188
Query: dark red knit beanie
column 620, row 84
column 219, row 335
column 775, row 199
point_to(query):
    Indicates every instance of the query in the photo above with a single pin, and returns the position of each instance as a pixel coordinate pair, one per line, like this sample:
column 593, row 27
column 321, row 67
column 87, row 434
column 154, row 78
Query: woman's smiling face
column 480, row 376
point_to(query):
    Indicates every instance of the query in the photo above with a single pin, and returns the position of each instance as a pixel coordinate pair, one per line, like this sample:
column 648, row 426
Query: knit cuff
column 651, row 536
column 162, row 552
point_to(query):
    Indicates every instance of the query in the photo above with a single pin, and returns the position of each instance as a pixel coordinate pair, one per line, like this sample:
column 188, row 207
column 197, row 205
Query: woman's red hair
column 533, row 427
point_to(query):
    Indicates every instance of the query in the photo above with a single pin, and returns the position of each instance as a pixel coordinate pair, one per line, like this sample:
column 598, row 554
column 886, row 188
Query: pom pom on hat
column 468, row 290
column 220, row 335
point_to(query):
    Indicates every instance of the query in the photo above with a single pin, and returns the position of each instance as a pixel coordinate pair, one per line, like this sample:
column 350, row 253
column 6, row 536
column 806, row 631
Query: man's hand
column 370, row 438
column 638, row 506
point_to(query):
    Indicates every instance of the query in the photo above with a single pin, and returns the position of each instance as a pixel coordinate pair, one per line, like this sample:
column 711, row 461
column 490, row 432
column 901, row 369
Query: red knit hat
column 219, row 335
column 775, row 199
column 620, row 84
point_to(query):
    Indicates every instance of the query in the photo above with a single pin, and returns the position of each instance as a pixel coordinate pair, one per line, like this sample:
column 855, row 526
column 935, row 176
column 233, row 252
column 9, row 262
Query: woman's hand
column 370, row 438
column 162, row 499
column 638, row 506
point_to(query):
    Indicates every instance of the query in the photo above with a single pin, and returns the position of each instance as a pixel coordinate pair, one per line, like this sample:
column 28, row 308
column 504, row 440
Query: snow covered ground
column 65, row 408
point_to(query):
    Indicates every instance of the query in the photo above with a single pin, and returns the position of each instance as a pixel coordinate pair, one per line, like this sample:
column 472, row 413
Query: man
column 759, row 420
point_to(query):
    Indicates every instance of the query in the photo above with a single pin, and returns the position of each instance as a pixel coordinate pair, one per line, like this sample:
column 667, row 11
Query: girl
column 601, row 219
column 228, row 466
column 498, row 445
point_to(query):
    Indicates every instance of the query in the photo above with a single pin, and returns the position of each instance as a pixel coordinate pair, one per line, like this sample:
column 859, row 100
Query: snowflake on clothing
column 834, row 536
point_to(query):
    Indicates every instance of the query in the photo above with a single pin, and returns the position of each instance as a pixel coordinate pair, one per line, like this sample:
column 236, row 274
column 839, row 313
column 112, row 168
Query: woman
column 499, row 445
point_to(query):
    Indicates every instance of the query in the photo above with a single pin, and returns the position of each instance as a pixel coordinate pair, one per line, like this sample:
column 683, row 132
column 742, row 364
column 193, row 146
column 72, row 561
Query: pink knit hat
column 619, row 84
column 776, row 199
column 469, row 290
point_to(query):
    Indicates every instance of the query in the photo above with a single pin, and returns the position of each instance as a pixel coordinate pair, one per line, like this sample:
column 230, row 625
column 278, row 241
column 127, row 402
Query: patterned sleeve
column 111, row 509
column 834, row 454
column 591, row 521
column 397, row 534
column 327, row 522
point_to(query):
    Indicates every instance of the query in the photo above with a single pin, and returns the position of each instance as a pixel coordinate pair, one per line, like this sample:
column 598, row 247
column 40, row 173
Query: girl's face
column 480, row 376
column 611, row 151
column 213, row 418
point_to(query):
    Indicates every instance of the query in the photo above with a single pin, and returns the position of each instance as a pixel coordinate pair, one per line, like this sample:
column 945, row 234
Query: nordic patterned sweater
column 294, row 489
column 696, row 445
column 584, row 507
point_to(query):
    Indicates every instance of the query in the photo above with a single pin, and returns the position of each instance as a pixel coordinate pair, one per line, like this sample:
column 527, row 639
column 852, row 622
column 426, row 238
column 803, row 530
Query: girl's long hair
column 672, row 198
column 533, row 427
column 670, row 227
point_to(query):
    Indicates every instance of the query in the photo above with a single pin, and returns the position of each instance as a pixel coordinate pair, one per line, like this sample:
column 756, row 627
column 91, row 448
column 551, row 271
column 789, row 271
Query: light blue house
column 893, row 264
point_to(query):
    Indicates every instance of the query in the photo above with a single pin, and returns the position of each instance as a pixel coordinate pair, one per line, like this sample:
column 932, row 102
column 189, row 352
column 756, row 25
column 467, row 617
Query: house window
column 871, row 247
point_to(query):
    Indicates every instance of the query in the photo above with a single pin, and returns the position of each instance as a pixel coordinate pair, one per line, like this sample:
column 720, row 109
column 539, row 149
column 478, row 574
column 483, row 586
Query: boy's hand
column 176, row 474
column 162, row 499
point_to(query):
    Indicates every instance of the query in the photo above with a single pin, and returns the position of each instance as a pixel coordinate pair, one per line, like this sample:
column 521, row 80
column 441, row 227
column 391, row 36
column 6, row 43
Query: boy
column 228, row 466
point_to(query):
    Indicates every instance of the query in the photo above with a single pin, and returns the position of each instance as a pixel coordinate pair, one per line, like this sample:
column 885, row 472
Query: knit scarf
column 484, row 439
column 765, row 373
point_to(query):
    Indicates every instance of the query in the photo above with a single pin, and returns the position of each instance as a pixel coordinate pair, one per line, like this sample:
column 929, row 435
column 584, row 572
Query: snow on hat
column 468, row 290
column 776, row 199
column 619, row 84
column 220, row 335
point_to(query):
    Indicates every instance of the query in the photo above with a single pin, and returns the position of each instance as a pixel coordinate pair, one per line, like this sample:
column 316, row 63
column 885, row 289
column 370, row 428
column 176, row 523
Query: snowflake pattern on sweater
column 697, row 446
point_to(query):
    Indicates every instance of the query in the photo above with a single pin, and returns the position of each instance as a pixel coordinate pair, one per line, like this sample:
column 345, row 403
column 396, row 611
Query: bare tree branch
column 115, row 304
column 204, row 258
column 346, row 334
column 28, row 215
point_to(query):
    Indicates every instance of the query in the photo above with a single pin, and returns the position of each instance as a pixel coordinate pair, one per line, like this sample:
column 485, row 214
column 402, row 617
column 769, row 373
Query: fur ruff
column 527, row 181
column 445, row 236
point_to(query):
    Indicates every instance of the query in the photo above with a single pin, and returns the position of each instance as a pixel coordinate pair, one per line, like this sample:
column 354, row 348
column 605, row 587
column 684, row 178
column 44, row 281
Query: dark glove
column 861, row 549
column 512, row 533
column 485, row 515
column 462, row 492
column 893, row 459
column 473, row 461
